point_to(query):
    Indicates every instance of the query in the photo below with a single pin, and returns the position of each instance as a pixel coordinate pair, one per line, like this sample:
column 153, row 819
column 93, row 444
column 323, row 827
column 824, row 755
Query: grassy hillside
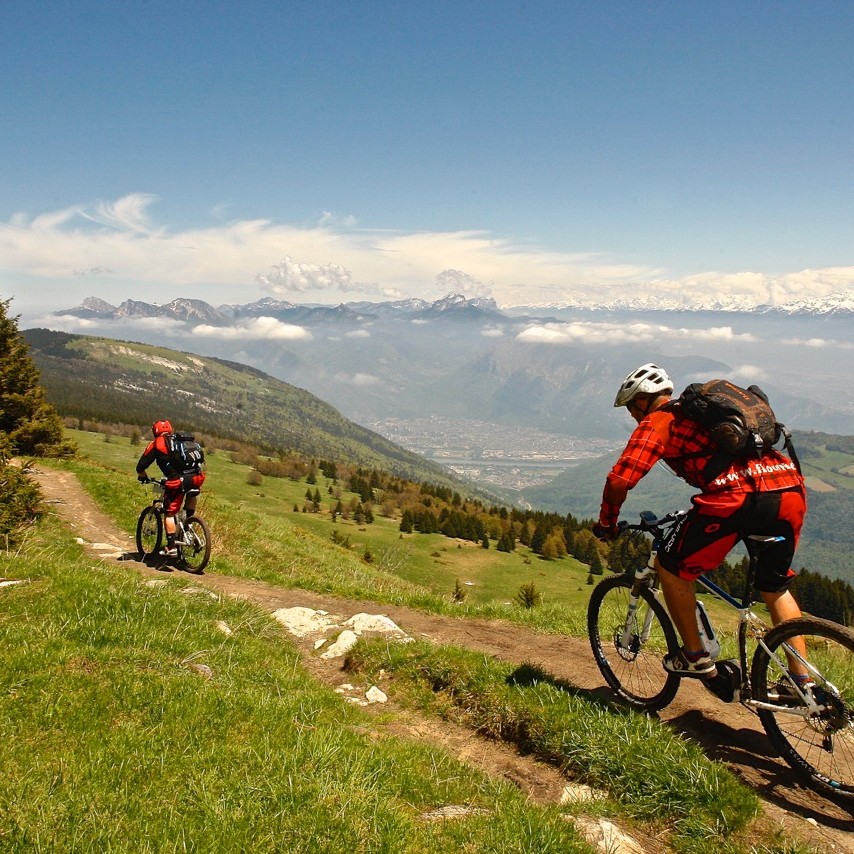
column 119, row 734
column 429, row 562
column 101, row 379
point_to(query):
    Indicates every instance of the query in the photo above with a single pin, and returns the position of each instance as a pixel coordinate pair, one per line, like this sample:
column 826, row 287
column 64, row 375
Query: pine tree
column 30, row 422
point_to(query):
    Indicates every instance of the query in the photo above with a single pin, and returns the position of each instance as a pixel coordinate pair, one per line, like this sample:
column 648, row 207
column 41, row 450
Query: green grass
column 115, row 740
column 409, row 568
column 414, row 569
column 97, row 664
column 645, row 767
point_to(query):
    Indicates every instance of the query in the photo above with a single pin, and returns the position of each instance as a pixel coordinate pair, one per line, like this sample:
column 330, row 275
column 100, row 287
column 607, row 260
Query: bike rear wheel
column 195, row 552
column 818, row 744
column 628, row 648
column 149, row 532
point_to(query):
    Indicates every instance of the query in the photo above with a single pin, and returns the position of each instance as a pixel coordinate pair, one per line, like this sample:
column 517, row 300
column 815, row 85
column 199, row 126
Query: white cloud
column 458, row 282
column 748, row 374
column 589, row 332
column 818, row 343
column 492, row 332
column 717, row 333
column 114, row 328
column 359, row 379
column 289, row 277
column 358, row 333
column 134, row 256
column 267, row 328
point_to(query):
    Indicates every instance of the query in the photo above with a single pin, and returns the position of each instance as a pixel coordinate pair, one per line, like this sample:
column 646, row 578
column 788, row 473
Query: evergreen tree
column 30, row 422
column 507, row 542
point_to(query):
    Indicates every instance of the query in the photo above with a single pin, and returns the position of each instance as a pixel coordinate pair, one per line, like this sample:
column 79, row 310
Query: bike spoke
column 629, row 645
column 815, row 736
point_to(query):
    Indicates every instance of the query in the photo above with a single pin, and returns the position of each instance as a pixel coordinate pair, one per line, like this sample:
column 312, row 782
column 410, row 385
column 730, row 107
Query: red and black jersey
column 689, row 449
column 157, row 451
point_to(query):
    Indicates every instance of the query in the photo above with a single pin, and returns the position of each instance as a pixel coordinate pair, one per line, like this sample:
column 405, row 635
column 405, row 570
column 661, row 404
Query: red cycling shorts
column 176, row 488
column 702, row 539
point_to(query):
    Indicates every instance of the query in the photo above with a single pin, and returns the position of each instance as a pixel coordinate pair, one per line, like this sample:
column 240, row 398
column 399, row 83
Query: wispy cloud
column 259, row 328
column 129, row 251
column 819, row 343
column 622, row 333
column 361, row 380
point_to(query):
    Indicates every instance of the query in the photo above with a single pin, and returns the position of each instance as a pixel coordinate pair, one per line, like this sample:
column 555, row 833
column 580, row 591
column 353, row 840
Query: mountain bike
column 192, row 535
column 812, row 727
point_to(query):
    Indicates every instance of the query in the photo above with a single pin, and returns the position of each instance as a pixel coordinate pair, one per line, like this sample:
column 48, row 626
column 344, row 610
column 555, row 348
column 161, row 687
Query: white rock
column 374, row 695
column 607, row 837
column 379, row 623
column 304, row 621
column 578, row 793
column 454, row 811
column 224, row 627
column 201, row 669
column 201, row 591
column 346, row 640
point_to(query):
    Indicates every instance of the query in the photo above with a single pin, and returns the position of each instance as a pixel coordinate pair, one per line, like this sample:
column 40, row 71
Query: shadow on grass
column 528, row 675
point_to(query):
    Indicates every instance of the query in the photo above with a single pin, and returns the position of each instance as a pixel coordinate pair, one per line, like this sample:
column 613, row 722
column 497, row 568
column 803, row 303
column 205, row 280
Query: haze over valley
column 508, row 397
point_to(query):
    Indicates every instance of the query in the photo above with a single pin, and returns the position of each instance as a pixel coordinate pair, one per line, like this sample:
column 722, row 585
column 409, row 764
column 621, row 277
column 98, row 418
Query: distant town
column 508, row 457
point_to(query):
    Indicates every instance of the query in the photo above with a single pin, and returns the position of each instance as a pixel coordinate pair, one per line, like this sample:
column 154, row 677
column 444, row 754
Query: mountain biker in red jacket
column 178, row 483
column 764, row 496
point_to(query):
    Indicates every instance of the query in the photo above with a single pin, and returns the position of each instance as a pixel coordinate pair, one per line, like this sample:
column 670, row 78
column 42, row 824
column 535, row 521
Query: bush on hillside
column 21, row 498
column 31, row 424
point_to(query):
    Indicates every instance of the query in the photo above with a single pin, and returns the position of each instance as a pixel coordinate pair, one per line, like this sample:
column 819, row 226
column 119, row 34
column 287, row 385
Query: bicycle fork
column 629, row 639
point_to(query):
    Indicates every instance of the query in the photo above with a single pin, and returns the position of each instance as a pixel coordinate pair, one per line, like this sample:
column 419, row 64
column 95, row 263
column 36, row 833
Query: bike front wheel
column 149, row 532
column 628, row 645
column 813, row 733
column 195, row 550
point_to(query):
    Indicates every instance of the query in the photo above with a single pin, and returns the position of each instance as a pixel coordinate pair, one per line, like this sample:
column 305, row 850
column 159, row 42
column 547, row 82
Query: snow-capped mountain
column 838, row 303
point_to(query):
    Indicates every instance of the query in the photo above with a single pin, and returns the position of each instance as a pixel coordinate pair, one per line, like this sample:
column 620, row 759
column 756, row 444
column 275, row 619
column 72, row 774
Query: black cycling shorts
column 700, row 542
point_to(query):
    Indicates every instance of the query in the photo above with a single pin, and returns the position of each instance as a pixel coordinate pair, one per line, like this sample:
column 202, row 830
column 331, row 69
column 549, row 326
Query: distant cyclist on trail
column 763, row 496
column 181, row 477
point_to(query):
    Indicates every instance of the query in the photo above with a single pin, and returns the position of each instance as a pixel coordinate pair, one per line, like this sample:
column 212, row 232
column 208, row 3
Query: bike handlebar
column 145, row 480
column 651, row 524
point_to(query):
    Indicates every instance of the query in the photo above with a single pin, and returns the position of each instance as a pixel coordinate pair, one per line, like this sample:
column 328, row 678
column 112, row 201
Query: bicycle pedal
column 725, row 684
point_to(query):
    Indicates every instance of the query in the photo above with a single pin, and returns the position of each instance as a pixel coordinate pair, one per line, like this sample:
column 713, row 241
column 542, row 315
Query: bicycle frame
column 811, row 724
column 750, row 626
column 192, row 536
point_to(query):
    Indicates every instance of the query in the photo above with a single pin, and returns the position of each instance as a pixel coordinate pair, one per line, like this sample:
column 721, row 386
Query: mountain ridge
column 194, row 310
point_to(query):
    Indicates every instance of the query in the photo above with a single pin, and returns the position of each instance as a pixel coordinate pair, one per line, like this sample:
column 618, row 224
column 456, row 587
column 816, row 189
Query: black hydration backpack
column 740, row 421
column 186, row 453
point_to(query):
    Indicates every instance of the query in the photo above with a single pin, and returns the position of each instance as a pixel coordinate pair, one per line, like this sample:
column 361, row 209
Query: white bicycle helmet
column 647, row 379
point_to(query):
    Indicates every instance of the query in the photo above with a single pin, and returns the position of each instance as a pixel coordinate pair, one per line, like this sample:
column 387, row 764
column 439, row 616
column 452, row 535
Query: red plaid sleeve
column 644, row 449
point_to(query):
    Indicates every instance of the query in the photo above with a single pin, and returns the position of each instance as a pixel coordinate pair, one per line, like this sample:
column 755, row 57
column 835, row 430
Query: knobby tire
column 821, row 748
column 196, row 556
column 633, row 670
column 149, row 532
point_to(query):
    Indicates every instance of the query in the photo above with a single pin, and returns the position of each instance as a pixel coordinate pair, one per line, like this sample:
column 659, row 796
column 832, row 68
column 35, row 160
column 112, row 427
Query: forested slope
column 117, row 381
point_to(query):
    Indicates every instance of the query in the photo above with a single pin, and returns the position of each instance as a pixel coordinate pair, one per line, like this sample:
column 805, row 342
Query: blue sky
column 328, row 151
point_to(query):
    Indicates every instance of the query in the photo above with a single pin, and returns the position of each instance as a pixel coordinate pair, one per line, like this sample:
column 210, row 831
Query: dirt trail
column 728, row 733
